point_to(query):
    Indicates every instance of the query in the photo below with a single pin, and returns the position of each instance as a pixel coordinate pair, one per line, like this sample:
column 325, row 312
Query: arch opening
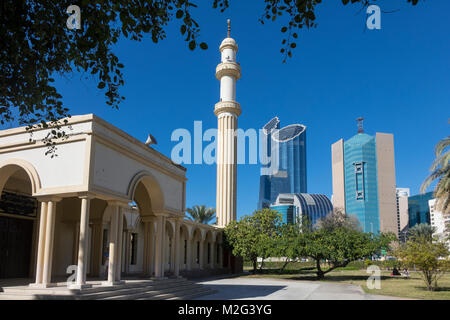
column 18, row 220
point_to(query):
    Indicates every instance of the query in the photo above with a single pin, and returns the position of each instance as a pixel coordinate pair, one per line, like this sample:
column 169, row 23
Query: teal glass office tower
column 286, row 170
column 361, row 189
column 418, row 209
column 364, row 180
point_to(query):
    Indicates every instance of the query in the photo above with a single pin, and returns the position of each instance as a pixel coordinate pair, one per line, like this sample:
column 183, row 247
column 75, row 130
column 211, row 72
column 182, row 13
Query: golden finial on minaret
column 229, row 27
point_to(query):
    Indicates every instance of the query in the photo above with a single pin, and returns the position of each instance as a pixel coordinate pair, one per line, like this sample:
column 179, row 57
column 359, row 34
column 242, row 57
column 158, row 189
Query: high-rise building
column 418, row 209
column 294, row 206
column 286, row 170
column 364, row 180
column 440, row 221
column 402, row 212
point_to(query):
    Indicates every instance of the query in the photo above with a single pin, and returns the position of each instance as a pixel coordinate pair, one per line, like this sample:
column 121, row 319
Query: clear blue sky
column 397, row 78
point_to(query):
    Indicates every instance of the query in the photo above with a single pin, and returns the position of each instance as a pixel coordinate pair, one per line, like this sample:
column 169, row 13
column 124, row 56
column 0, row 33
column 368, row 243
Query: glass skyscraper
column 364, row 180
column 286, row 170
column 360, row 172
column 418, row 209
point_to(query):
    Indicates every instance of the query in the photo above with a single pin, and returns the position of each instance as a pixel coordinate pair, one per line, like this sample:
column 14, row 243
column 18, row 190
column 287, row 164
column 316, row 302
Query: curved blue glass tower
column 286, row 171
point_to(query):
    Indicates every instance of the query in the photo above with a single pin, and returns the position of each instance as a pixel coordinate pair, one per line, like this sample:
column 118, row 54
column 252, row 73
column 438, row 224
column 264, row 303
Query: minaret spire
column 227, row 111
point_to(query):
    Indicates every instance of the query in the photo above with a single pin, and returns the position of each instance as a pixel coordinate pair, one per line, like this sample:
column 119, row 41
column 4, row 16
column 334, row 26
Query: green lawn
column 412, row 287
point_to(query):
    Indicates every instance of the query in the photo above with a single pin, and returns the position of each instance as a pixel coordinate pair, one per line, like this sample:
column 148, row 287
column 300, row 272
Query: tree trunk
column 262, row 264
column 320, row 273
column 285, row 264
column 255, row 265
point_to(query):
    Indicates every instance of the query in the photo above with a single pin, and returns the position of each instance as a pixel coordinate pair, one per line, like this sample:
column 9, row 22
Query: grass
column 412, row 287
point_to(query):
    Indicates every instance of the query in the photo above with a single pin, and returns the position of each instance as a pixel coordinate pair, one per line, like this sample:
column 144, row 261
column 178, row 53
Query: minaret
column 227, row 111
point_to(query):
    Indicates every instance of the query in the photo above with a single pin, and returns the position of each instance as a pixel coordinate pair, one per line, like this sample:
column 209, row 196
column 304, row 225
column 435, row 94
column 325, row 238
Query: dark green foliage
column 254, row 236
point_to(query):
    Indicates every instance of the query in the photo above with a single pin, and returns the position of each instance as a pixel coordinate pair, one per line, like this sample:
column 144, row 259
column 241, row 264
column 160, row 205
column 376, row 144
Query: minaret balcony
column 228, row 69
column 227, row 106
column 228, row 43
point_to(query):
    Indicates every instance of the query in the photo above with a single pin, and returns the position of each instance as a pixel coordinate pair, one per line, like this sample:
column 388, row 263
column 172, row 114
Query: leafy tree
column 36, row 46
column 421, row 231
column 426, row 256
column 201, row 214
column 254, row 236
column 288, row 243
column 440, row 170
column 338, row 239
column 340, row 246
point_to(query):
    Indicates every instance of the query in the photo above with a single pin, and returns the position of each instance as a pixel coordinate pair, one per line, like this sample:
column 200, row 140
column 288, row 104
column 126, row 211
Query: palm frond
column 441, row 146
column 201, row 214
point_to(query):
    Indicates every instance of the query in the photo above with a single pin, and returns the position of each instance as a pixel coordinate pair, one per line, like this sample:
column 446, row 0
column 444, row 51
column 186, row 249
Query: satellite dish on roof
column 150, row 140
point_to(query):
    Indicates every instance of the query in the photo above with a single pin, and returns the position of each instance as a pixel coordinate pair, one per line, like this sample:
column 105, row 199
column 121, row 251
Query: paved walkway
column 278, row 289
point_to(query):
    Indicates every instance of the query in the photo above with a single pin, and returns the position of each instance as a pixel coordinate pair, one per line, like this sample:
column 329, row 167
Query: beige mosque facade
column 108, row 206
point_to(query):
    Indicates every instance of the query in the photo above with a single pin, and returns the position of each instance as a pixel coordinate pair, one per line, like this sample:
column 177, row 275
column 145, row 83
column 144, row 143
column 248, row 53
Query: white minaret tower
column 227, row 111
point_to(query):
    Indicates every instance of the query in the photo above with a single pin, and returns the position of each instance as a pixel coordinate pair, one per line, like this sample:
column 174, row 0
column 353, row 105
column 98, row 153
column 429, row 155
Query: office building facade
column 285, row 171
column 402, row 195
column 440, row 222
column 363, row 170
column 418, row 209
column 294, row 206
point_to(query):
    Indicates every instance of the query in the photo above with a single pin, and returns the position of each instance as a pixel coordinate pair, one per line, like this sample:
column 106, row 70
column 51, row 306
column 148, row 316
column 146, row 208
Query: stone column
column 159, row 249
column 83, row 244
column 212, row 255
column 145, row 258
column 119, row 243
column 188, row 253
column 177, row 245
column 112, row 246
column 151, row 247
column 221, row 255
column 149, row 234
column 172, row 252
column 49, row 239
column 127, row 252
column 202, row 254
column 96, row 252
column 41, row 242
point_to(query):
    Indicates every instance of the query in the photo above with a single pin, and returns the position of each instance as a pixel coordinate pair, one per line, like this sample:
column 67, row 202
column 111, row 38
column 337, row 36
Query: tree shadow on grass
column 284, row 272
column 309, row 274
column 336, row 278
column 438, row 289
column 442, row 289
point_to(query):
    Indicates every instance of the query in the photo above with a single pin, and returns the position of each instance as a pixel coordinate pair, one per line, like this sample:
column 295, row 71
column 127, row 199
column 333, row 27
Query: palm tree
column 440, row 170
column 201, row 214
column 421, row 231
